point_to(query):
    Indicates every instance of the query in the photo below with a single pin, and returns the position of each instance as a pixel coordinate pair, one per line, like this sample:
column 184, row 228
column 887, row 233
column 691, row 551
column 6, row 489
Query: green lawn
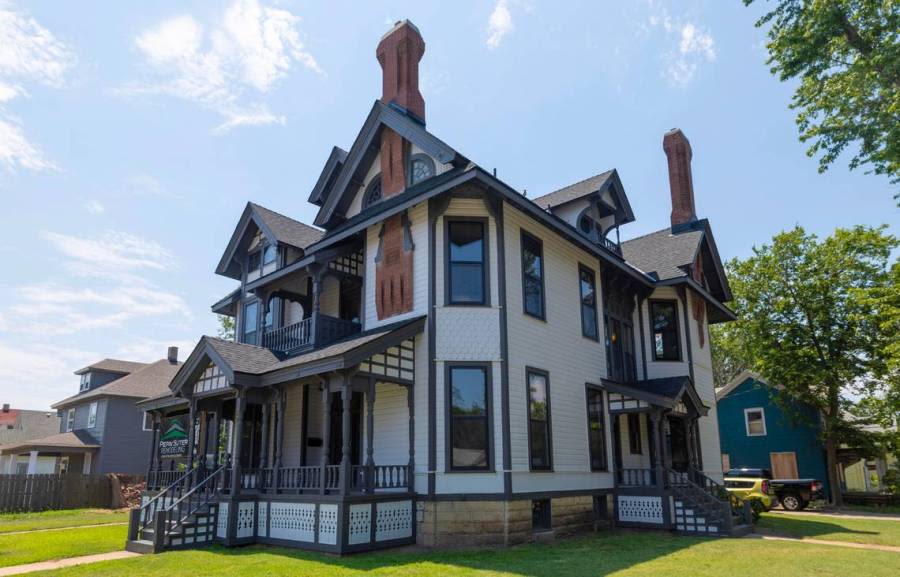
column 64, row 518
column 621, row 554
column 48, row 545
column 873, row 531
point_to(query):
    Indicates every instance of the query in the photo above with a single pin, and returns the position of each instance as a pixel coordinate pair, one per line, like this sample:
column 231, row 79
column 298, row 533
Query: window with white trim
column 147, row 422
column 70, row 420
column 85, row 382
column 755, row 421
column 92, row 416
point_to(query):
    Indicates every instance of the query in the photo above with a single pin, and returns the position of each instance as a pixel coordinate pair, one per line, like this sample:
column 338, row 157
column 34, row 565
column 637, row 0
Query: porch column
column 86, row 469
column 237, row 439
column 192, row 429
column 279, row 432
column 316, row 305
column 216, row 424
column 346, row 397
column 411, row 473
column 656, row 418
column 370, row 436
column 264, row 445
column 11, row 464
column 326, row 433
column 32, row 462
column 154, row 446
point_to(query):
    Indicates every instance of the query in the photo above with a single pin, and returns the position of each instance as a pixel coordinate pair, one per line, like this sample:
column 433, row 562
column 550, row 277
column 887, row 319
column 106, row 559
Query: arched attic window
column 373, row 192
column 586, row 224
column 421, row 167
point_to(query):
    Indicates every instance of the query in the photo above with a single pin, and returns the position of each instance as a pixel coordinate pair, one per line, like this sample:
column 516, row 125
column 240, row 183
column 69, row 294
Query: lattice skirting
column 640, row 509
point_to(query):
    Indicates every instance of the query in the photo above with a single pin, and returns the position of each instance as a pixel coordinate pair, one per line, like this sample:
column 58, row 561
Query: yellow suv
column 752, row 485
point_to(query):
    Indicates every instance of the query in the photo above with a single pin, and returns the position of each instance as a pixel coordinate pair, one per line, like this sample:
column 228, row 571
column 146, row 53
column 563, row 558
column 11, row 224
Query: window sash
column 755, row 422
column 469, row 432
column 540, row 444
column 92, row 416
column 70, row 420
column 666, row 342
column 533, row 276
column 596, row 430
column 588, row 292
column 470, row 289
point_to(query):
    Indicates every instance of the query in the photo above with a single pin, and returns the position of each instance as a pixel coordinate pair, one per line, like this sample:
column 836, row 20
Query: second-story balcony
column 312, row 332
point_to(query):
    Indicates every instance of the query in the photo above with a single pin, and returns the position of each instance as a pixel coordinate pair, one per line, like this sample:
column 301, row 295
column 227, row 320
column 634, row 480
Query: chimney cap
column 5, row 407
column 398, row 25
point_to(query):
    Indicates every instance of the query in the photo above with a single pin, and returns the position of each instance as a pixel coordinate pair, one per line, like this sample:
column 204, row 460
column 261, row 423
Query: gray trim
column 529, row 370
column 596, row 337
column 726, row 313
column 486, row 257
column 500, row 226
column 522, row 234
column 643, row 336
column 487, row 366
column 682, row 293
column 329, row 173
column 443, row 497
column 588, row 387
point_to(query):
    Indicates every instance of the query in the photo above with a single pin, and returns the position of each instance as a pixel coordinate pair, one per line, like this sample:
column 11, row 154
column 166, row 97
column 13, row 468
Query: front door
column 784, row 465
column 678, row 440
column 335, row 447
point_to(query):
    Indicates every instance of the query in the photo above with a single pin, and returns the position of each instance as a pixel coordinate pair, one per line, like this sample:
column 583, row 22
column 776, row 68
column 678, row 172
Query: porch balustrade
column 290, row 337
column 310, row 478
column 635, row 477
column 309, row 333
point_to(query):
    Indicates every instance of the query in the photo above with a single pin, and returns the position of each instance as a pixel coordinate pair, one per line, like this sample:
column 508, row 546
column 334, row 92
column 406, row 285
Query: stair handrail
column 201, row 485
column 712, row 488
column 146, row 515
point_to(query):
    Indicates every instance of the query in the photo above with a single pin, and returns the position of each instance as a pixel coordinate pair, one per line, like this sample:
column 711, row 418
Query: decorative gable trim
column 328, row 176
column 366, row 147
column 227, row 264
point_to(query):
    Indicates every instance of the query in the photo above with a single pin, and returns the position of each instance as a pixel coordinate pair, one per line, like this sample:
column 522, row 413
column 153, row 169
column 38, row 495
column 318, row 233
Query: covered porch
column 70, row 452
column 313, row 451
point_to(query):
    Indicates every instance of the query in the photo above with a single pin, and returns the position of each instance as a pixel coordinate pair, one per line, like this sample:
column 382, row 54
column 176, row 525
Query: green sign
column 174, row 441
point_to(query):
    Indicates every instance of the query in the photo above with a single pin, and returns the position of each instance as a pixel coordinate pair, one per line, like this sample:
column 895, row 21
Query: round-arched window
column 421, row 167
column 373, row 192
column 586, row 224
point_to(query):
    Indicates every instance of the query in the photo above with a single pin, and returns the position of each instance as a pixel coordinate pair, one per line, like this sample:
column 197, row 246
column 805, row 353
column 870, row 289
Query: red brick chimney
column 399, row 53
column 681, row 185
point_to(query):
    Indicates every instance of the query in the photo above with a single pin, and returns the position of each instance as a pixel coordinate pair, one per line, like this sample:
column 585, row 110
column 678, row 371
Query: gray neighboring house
column 18, row 426
column 100, row 429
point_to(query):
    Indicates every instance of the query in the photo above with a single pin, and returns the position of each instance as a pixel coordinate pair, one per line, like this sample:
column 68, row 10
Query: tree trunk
column 834, row 481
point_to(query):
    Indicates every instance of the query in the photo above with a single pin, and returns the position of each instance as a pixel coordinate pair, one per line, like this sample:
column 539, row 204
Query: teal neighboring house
column 755, row 432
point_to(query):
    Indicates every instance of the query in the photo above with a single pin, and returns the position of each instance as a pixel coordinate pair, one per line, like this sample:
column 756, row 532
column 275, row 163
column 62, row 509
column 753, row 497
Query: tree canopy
column 846, row 55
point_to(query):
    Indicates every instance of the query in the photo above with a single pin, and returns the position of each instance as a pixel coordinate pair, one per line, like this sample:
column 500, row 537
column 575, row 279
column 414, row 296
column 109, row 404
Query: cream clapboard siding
column 703, row 380
column 329, row 302
column 634, row 460
column 391, row 430
column 558, row 347
column 293, row 422
column 418, row 217
column 467, row 334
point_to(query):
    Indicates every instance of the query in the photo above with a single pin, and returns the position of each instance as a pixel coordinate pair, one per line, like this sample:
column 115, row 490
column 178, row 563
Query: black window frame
column 367, row 199
column 547, row 422
column 449, row 417
column 540, row 245
column 585, row 269
column 651, row 303
column 485, row 256
column 635, row 446
column 604, row 454
column 257, row 321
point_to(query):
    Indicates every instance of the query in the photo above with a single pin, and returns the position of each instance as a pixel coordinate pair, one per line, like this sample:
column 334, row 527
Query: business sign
column 174, row 441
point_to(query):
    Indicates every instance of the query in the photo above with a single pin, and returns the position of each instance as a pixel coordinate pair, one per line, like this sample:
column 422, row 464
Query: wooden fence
column 22, row 493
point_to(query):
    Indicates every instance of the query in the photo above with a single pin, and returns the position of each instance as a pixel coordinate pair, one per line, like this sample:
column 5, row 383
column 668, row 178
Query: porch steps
column 141, row 546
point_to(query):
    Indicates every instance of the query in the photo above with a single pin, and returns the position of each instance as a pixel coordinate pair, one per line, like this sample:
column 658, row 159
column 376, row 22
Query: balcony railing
column 311, row 478
column 306, row 334
column 611, row 245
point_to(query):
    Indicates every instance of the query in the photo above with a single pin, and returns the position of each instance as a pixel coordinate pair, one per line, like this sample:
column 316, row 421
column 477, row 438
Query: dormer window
column 85, row 382
column 262, row 261
column 421, row 167
column 586, row 224
column 373, row 192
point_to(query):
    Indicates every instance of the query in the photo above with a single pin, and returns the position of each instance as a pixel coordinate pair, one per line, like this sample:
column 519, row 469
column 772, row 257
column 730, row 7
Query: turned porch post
column 192, row 433
column 326, row 433
column 411, row 472
column 656, row 418
column 316, row 305
column 264, row 445
column 154, row 446
column 237, row 442
column 370, row 436
column 216, row 424
column 279, row 432
column 346, row 396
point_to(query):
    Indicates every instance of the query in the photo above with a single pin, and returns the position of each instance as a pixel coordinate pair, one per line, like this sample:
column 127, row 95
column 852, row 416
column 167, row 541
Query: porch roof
column 664, row 392
column 251, row 365
column 71, row 442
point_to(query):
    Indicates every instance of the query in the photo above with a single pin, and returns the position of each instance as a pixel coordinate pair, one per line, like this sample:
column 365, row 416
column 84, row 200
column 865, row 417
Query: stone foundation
column 479, row 523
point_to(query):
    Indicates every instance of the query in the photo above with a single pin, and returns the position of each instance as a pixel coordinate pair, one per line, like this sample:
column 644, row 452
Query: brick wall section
column 399, row 53
column 479, row 523
column 394, row 272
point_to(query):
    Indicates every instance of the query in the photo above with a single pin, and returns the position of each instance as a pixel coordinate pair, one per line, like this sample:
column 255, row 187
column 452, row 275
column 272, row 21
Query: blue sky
column 133, row 133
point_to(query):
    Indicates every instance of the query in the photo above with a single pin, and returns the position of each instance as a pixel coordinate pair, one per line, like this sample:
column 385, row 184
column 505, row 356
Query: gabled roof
column 575, row 191
column 663, row 254
column 275, row 226
column 148, row 381
column 664, row 392
column 227, row 304
column 366, row 147
column 329, row 173
column 75, row 441
column 27, row 425
column 112, row 366
column 737, row 381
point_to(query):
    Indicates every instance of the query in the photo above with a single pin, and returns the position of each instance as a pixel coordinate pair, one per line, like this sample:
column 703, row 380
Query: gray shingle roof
column 574, row 191
column 70, row 440
column 286, row 229
column 241, row 357
column 113, row 366
column 149, row 381
column 663, row 253
column 27, row 425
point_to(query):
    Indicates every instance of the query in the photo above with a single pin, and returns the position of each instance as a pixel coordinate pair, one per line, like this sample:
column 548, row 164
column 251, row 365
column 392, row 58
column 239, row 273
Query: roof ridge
column 575, row 183
column 282, row 215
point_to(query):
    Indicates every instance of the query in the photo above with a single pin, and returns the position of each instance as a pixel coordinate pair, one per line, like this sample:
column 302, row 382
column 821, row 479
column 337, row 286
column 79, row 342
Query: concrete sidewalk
column 71, row 562
column 839, row 515
column 825, row 542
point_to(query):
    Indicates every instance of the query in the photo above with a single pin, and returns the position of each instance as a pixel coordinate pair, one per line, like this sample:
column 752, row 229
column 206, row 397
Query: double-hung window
column 533, row 276
column 466, row 263
column 540, row 446
column 588, row 287
column 596, row 429
column 92, row 416
column 469, row 401
column 755, row 421
column 85, row 382
column 664, row 327
column 251, row 322
column 70, row 420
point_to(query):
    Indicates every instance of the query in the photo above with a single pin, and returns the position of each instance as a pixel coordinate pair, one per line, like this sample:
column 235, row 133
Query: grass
column 873, row 531
column 621, row 554
column 50, row 545
column 64, row 518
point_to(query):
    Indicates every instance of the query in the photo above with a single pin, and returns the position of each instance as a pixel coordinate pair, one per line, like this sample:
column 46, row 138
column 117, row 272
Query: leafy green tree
column 728, row 355
column 846, row 55
column 809, row 321
column 226, row 327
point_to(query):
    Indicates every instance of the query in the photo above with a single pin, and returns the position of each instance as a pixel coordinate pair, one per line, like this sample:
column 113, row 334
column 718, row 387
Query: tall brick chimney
column 399, row 53
column 681, row 185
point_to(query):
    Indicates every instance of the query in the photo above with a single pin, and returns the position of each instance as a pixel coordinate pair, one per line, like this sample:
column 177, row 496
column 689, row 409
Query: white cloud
column 689, row 45
column 111, row 254
column 29, row 53
column 228, row 68
column 146, row 185
column 94, row 207
column 37, row 375
column 500, row 24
